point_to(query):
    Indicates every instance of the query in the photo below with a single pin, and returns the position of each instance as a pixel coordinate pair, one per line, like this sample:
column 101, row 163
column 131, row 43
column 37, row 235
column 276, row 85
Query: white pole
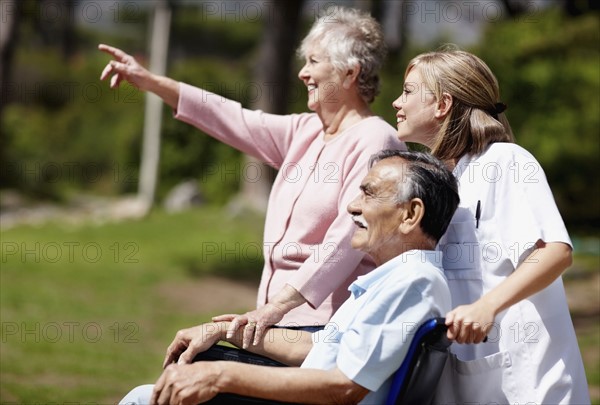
column 159, row 46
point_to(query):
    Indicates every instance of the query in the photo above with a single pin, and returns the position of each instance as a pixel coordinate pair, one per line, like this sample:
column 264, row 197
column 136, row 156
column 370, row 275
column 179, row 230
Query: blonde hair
column 475, row 119
column 350, row 38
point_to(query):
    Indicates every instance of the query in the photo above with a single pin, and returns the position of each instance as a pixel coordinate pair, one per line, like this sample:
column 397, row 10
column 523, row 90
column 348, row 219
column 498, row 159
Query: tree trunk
column 10, row 13
column 393, row 23
column 272, row 74
column 69, row 39
column 515, row 8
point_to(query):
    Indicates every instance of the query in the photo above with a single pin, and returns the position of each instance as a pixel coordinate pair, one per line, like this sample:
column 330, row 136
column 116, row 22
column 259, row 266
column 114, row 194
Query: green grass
column 81, row 317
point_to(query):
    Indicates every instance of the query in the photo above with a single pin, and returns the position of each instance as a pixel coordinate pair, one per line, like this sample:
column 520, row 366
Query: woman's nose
column 397, row 103
column 303, row 73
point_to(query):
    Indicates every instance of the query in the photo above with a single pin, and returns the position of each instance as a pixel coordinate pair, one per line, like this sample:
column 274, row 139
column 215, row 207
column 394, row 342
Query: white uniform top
column 532, row 354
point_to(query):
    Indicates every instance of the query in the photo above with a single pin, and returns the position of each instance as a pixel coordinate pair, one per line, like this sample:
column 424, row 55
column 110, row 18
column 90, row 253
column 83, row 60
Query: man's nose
column 354, row 207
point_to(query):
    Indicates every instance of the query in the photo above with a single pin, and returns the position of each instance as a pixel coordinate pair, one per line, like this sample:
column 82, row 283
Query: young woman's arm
column 470, row 323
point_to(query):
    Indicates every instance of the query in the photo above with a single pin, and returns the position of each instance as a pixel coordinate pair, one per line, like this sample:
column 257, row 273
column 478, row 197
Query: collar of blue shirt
column 410, row 257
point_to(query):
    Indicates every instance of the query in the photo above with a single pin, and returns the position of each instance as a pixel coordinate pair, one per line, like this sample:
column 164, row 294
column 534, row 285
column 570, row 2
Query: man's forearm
column 284, row 345
column 309, row 386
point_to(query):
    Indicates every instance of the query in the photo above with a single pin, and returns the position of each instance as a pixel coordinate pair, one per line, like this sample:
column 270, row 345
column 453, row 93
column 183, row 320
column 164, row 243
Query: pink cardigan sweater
column 307, row 229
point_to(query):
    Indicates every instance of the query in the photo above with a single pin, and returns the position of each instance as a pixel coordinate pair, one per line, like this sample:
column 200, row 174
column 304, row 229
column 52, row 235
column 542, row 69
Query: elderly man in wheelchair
column 405, row 204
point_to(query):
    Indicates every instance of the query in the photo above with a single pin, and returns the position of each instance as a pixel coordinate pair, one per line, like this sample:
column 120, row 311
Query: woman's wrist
column 164, row 87
column 491, row 304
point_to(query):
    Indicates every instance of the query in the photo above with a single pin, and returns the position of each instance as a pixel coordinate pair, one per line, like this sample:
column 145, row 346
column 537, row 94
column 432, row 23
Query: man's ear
column 443, row 106
column 351, row 76
column 412, row 215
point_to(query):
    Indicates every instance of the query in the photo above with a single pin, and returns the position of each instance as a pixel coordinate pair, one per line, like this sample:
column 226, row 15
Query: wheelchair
column 412, row 384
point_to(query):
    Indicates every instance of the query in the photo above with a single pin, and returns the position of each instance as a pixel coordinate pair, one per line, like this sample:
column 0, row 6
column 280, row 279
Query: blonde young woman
column 506, row 247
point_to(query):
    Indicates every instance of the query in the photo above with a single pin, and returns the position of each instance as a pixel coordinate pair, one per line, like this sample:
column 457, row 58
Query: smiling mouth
column 359, row 224
column 400, row 119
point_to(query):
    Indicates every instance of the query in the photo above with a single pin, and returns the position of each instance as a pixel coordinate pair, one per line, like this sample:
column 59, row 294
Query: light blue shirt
column 367, row 338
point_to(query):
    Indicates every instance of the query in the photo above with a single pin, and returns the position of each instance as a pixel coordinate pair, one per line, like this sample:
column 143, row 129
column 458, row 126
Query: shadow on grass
column 234, row 269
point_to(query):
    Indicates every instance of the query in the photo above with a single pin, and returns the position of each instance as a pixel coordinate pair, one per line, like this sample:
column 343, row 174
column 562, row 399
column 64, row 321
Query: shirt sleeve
column 334, row 260
column 267, row 137
column 376, row 343
column 525, row 205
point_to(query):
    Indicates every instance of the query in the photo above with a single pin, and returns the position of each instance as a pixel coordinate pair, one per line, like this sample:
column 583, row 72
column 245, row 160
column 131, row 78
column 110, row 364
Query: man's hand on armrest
column 201, row 381
column 189, row 342
column 286, row 346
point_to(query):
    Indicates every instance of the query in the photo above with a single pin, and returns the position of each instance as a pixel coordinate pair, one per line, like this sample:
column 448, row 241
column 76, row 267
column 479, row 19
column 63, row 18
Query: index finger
column 170, row 357
column 111, row 50
column 454, row 329
column 449, row 318
column 173, row 352
column 157, row 388
column 237, row 323
column 224, row 318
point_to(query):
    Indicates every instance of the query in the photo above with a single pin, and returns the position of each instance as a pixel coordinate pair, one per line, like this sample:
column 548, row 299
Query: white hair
column 350, row 38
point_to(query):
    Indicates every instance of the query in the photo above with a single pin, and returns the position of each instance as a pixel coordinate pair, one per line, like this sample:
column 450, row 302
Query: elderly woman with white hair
column 321, row 157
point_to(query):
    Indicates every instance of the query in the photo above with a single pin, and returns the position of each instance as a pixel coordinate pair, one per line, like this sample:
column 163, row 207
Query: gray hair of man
column 427, row 178
column 350, row 38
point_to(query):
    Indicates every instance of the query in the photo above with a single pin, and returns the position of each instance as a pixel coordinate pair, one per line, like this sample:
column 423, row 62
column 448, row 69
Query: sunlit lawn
column 81, row 317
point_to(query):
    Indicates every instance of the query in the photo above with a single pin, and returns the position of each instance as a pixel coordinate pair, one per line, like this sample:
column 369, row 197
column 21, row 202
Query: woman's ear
column 412, row 215
column 443, row 106
column 351, row 76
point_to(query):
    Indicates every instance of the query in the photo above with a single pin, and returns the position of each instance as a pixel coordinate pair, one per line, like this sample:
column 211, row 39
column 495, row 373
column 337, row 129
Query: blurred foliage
column 549, row 74
column 64, row 131
column 186, row 152
column 67, row 131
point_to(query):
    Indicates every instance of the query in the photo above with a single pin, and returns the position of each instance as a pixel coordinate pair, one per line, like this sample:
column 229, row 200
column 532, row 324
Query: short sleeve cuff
column 355, row 370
